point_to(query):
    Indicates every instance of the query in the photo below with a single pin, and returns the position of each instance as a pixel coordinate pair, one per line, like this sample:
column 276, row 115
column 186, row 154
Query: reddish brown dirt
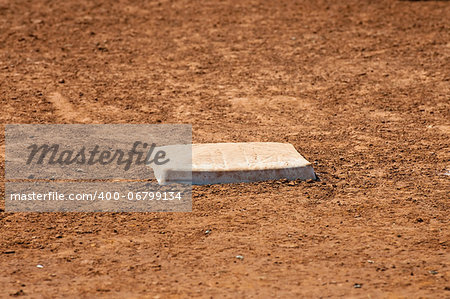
column 361, row 88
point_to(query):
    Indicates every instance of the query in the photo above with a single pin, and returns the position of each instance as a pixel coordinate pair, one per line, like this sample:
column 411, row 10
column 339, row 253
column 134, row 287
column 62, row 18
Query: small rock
column 357, row 285
column 18, row 293
column 239, row 257
column 207, row 232
column 9, row 252
column 370, row 261
column 40, row 266
column 434, row 272
column 62, row 81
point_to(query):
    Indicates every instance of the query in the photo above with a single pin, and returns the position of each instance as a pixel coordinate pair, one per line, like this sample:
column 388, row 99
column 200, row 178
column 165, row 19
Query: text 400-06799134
column 142, row 195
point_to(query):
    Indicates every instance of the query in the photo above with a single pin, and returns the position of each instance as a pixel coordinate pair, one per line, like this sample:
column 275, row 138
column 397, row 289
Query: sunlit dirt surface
column 360, row 88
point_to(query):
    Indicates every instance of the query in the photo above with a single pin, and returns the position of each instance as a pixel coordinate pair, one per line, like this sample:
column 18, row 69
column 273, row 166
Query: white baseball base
column 221, row 163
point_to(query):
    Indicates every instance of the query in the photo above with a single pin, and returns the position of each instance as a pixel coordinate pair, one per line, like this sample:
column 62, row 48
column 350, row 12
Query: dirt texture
column 360, row 88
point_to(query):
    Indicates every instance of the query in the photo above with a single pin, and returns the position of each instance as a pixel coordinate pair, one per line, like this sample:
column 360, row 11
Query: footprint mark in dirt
column 66, row 111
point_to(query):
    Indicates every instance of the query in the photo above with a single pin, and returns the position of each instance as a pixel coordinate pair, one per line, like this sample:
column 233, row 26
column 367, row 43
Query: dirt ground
column 360, row 88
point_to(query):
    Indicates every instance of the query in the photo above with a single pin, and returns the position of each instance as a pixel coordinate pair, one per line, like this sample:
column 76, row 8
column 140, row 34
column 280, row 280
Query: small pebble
column 239, row 257
column 434, row 272
column 357, row 285
column 40, row 266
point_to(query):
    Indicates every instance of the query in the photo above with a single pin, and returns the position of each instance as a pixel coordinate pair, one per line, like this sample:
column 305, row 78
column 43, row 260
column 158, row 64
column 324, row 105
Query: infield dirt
column 360, row 88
